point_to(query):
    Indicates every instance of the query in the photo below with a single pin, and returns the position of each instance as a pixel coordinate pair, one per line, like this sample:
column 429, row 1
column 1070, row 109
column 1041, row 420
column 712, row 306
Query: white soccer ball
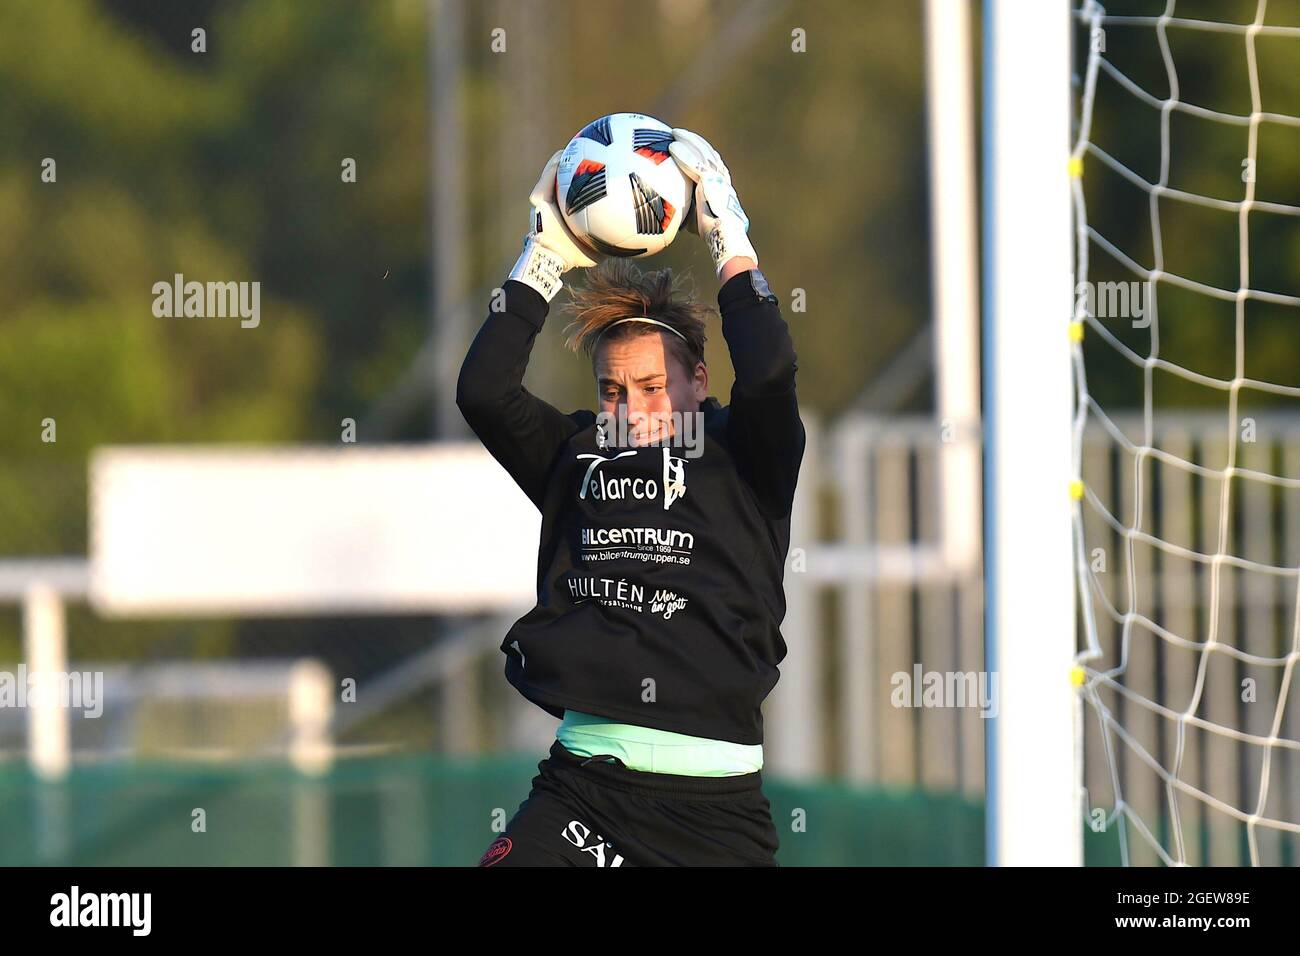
column 619, row 190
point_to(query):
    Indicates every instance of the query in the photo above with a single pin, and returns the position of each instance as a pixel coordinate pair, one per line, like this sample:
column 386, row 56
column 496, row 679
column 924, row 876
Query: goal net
column 1186, row 349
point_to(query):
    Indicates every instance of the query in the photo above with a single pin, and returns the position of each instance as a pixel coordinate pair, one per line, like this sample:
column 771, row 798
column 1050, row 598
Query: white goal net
column 1186, row 179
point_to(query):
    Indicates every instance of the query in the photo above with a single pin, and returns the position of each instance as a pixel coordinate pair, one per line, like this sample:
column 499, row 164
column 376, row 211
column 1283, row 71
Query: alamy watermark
column 74, row 690
column 211, row 300
column 1116, row 300
column 671, row 429
column 923, row 688
column 76, row 908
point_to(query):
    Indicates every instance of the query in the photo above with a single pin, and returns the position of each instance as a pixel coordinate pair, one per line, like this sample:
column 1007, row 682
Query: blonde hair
column 617, row 289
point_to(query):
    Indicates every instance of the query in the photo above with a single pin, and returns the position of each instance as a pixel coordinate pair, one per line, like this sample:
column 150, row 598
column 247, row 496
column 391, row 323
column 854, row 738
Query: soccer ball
column 619, row 190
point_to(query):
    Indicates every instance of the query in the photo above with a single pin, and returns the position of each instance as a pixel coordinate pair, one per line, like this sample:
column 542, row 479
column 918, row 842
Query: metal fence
column 875, row 590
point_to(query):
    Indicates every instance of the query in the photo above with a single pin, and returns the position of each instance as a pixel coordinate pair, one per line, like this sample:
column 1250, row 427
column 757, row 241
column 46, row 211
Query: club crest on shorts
column 496, row 852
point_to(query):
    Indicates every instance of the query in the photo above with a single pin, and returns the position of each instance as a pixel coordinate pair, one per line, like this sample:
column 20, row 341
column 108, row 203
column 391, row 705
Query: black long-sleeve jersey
column 659, row 571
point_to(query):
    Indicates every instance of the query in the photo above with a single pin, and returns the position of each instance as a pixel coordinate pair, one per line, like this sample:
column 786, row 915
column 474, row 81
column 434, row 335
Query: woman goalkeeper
column 656, row 634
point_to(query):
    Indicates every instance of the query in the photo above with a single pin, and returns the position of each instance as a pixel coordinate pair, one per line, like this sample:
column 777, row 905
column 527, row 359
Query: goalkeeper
column 656, row 634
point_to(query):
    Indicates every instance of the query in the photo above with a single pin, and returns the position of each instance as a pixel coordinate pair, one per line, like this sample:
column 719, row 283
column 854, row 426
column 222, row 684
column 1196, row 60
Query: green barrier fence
column 417, row 810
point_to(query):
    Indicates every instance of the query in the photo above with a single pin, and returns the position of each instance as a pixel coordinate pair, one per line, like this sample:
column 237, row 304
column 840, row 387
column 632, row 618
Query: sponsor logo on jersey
column 666, row 537
column 620, row 592
column 614, row 592
column 666, row 603
column 674, row 479
column 651, row 545
column 600, row 484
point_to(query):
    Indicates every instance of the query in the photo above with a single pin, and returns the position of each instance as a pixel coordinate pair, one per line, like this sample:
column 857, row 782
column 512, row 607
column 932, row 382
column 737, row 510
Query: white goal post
column 1034, row 816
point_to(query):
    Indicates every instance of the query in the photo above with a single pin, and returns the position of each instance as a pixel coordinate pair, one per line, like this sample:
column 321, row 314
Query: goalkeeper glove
column 719, row 218
column 550, row 249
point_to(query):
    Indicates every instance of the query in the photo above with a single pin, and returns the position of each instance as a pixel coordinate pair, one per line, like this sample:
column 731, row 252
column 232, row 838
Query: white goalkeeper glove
column 719, row 218
column 550, row 249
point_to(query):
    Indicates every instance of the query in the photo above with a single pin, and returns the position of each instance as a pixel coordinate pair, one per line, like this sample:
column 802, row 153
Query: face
column 641, row 381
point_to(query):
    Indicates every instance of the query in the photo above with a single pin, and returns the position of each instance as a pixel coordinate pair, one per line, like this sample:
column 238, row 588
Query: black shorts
column 597, row 812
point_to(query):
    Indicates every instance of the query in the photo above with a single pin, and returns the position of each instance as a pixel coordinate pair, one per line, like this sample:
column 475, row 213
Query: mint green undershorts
column 656, row 751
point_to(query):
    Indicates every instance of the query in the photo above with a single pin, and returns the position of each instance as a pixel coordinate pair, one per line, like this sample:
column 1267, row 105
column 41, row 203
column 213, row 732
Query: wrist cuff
column 724, row 247
column 539, row 268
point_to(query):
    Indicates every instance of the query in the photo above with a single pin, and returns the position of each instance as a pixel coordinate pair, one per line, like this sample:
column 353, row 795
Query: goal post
column 1032, row 779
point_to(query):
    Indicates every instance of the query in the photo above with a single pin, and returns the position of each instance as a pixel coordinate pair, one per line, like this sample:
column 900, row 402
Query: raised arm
column 764, row 432
column 521, row 431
